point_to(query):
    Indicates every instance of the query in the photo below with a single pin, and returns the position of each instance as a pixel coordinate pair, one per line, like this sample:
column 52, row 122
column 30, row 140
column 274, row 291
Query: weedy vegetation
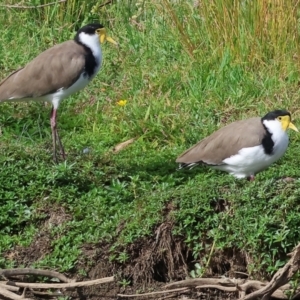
column 185, row 68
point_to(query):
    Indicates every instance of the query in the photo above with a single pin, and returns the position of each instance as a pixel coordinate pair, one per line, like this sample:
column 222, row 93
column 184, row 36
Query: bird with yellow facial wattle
column 57, row 73
column 242, row 148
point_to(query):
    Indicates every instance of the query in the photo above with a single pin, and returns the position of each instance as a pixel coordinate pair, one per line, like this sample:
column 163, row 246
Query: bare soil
column 154, row 262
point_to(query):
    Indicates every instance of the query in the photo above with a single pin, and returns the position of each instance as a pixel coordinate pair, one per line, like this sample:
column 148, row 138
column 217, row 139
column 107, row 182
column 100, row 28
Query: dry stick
column 281, row 277
column 9, row 295
column 219, row 287
column 279, row 294
column 62, row 285
column 226, row 284
column 34, row 6
column 204, row 281
column 9, row 287
column 251, row 284
column 24, row 292
column 241, row 273
column 38, row 272
column 153, row 293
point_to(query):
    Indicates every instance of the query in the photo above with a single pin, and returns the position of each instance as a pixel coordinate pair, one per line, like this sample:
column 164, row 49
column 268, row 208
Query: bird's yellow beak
column 292, row 126
column 103, row 37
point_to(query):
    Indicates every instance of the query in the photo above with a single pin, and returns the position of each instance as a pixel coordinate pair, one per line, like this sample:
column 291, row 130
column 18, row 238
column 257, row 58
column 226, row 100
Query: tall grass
column 254, row 32
column 49, row 12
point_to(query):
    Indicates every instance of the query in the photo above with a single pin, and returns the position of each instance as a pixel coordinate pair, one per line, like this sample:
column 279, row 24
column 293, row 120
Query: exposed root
column 8, row 273
column 10, row 295
column 61, row 285
column 7, row 288
column 164, row 258
column 244, row 289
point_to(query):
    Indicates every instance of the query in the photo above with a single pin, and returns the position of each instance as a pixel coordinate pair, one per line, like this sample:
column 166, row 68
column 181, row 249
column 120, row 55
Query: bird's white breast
column 251, row 160
column 63, row 93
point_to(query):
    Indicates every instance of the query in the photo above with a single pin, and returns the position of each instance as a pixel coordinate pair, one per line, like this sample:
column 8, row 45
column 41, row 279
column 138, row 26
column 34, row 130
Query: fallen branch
column 9, row 295
column 61, row 285
column 240, row 286
column 37, row 272
column 218, row 287
column 279, row 294
column 9, row 287
column 205, row 281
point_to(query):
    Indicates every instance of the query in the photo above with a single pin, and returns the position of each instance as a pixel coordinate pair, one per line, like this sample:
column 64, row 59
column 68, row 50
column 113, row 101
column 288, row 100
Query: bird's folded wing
column 56, row 68
column 225, row 142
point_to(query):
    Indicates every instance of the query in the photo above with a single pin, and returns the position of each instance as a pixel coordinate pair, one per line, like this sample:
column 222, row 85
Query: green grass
column 183, row 77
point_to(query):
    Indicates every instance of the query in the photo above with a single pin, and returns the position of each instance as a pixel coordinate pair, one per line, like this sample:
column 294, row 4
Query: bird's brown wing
column 225, row 142
column 55, row 68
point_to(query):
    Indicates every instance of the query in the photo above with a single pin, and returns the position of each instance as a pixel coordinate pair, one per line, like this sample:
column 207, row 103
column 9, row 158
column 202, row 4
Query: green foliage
column 124, row 283
column 185, row 70
column 197, row 272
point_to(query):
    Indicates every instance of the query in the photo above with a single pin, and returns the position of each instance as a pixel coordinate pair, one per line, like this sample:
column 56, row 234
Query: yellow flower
column 122, row 102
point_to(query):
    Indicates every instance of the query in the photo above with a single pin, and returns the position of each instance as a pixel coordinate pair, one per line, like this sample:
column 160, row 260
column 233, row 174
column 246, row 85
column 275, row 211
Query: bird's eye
column 279, row 118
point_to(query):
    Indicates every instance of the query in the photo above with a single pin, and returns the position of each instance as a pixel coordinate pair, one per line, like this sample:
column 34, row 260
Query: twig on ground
column 10, row 295
column 62, row 285
column 205, row 281
column 6, row 287
column 9, row 287
column 7, row 273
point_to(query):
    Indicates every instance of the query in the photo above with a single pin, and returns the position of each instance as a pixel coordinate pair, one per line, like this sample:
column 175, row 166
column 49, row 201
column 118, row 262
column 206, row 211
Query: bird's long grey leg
column 61, row 147
column 53, row 131
column 55, row 135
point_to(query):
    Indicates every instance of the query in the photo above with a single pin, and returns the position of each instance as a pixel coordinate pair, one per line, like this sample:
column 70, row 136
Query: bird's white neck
column 92, row 42
column 275, row 128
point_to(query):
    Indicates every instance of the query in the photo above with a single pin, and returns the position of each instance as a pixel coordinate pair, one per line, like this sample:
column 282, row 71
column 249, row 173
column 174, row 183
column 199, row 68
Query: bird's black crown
column 90, row 28
column 275, row 114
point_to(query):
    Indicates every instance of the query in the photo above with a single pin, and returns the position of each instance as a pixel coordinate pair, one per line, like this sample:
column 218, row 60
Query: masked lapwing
column 57, row 73
column 243, row 148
